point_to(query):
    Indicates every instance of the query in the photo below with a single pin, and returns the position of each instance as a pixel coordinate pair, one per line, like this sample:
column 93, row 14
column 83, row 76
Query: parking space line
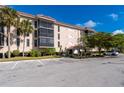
column 13, row 67
column 41, row 63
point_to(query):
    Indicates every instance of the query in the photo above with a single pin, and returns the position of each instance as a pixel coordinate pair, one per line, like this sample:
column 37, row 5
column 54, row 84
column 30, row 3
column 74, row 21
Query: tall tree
column 8, row 18
column 108, row 41
column 119, row 42
column 84, row 43
column 25, row 28
column 100, row 40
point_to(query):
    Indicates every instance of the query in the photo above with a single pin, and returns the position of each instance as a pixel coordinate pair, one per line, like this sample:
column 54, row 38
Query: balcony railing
column 46, row 27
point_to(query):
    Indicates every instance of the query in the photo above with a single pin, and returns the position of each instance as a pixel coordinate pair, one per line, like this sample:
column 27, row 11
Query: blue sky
column 101, row 18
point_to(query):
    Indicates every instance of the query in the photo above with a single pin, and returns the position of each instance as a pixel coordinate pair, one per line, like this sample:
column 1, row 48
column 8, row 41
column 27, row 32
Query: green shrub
column 48, row 51
column 6, row 54
column 43, row 51
column 16, row 53
column 37, row 53
column 34, row 53
column 51, row 51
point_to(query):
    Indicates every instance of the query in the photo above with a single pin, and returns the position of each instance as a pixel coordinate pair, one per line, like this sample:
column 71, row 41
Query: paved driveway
column 64, row 72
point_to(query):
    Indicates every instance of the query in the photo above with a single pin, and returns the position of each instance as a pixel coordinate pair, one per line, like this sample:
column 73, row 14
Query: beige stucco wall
column 56, row 37
column 68, row 37
column 14, row 41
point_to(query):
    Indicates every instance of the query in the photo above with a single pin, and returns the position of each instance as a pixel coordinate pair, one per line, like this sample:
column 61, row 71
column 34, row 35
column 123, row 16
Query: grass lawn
column 27, row 58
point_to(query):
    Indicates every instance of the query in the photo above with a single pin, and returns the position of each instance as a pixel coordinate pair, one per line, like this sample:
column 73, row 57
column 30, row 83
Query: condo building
column 49, row 33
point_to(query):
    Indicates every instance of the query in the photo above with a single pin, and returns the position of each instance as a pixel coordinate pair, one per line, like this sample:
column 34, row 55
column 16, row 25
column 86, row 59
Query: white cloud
column 119, row 31
column 78, row 24
column 114, row 16
column 90, row 23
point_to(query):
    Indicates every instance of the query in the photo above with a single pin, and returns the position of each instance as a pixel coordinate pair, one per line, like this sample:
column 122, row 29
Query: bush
column 16, row 53
column 51, row 51
column 6, row 54
column 34, row 53
column 37, row 53
column 25, row 54
column 48, row 51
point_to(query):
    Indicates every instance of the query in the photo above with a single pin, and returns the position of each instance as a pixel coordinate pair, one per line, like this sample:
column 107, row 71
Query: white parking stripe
column 13, row 67
column 41, row 62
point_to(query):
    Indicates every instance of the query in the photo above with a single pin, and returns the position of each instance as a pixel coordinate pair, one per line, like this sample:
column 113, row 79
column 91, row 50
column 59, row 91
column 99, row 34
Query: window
column 86, row 32
column 35, row 33
column 35, row 43
column 1, row 36
column 46, row 32
column 28, row 42
column 58, row 28
column 42, row 32
column 43, row 41
column 18, row 33
column 35, row 24
column 58, row 44
column 27, row 34
column 50, row 33
column 18, row 41
column 46, row 41
column 58, row 36
column 45, row 24
column 50, row 42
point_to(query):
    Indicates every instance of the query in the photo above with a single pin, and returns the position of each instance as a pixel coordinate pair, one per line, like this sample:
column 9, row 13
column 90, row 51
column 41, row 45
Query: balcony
column 45, row 42
column 45, row 24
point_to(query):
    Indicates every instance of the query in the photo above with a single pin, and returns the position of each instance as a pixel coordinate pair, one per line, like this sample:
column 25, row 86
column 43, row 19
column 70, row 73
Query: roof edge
column 48, row 18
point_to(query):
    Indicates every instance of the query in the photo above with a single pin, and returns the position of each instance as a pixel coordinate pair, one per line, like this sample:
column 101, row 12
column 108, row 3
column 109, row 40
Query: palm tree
column 8, row 18
column 25, row 28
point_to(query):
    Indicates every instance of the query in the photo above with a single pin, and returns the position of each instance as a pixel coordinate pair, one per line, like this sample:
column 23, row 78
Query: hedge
column 47, row 51
column 34, row 53
column 16, row 53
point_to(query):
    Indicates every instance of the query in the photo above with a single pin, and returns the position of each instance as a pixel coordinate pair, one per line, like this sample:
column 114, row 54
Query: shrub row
column 47, row 51
column 34, row 52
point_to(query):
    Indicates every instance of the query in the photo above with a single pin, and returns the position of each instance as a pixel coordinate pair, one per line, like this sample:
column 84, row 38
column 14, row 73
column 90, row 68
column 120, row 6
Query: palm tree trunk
column 85, row 51
column 100, row 51
column 8, row 31
column 24, row 46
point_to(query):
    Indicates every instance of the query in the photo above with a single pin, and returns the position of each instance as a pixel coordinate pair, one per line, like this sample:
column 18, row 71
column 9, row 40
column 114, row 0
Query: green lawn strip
column 27, row 58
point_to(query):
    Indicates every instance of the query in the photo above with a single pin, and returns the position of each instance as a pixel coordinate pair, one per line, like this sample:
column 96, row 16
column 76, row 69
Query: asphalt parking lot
column 64, row 72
